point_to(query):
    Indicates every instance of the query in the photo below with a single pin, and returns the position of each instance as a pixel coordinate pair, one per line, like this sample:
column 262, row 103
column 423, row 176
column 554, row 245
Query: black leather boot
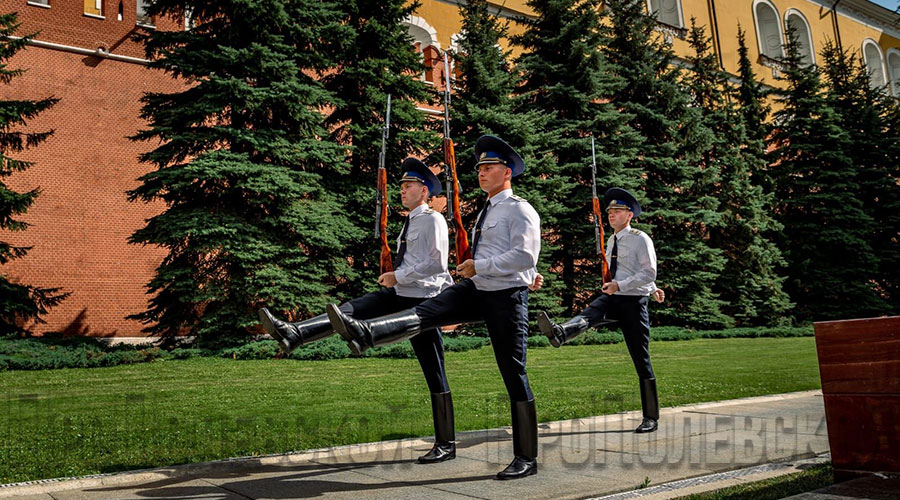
column 293, row 335
column 650, row 406
column 560, row 334
column 444, row 435
column 363, row 334
column 525, row 441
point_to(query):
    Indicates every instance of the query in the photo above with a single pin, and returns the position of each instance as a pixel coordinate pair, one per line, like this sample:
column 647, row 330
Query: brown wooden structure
column 859, row 362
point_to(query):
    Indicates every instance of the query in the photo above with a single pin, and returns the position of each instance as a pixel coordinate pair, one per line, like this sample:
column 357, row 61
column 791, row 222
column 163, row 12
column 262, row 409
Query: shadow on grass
column 397, row 435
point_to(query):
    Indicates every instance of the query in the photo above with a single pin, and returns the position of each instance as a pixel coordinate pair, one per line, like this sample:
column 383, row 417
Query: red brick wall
column 65, row 23
column 82, row 220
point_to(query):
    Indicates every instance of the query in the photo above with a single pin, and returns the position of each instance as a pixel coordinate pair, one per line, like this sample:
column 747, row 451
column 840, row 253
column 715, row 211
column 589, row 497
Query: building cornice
column 497, row 8
column 867, row 13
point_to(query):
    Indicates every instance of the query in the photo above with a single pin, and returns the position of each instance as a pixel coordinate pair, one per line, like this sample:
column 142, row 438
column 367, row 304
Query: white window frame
column 678, row 8
column 455, row 49
column 884, row 77
column 760, row 41
column 455, row 41
column 98, row 4
column 426, row 36
column 39, row 3
column 895, row 79
column 812, row 48
column 140, row 11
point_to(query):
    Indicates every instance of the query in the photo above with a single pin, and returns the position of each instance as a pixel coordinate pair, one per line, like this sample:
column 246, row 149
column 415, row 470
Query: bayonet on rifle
column 598, row 221
column 381, row 204
column 463, row 252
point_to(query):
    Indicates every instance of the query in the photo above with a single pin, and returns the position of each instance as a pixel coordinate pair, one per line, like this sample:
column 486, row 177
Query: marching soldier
column 420, row 272
column 632, row 265
column 505, row 245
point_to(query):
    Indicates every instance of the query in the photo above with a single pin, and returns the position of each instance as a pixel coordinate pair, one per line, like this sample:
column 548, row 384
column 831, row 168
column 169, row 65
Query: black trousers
column 505, row 312
column 634, row 319
column 428, row 345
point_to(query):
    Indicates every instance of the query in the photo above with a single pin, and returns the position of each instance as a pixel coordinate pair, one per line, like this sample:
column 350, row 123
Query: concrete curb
column 247, row 463
column 718, row 480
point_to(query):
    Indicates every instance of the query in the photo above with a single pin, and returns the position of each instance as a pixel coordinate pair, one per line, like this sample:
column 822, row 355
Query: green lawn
column 85, row 421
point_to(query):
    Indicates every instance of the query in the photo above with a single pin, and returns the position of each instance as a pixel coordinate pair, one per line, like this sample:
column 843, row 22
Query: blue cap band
column 413, row 176
column 492, row 157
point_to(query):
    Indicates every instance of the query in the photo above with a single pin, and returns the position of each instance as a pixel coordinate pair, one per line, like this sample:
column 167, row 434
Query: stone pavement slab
column 578, row 458
column 172, row 488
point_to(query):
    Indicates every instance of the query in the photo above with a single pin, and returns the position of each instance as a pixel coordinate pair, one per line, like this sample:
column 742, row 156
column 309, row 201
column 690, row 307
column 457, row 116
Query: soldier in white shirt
column 505, row 245
column 632, row 265
column 420, row 272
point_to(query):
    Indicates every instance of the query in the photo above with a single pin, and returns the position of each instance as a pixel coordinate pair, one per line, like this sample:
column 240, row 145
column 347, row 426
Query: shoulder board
column 428, row 210
column 636, row 231
column 517, row 198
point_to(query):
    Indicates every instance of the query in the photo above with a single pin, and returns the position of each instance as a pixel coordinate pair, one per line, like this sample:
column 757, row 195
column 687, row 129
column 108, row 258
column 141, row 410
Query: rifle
column 598, row 213
column 381, row 204
column 463, row 252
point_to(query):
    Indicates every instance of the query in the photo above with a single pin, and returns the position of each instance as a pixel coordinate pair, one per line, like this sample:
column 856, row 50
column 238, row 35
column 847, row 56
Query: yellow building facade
column 867, row 29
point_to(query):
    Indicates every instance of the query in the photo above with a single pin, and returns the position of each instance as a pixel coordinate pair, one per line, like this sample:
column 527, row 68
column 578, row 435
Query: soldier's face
column 493, row 177
column 413, row 194
column 619, row 217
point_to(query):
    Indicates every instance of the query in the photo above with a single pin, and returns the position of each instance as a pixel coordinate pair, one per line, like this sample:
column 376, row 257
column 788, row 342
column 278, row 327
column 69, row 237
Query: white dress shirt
column 507, row 252
column 636, row 266
column 423, row 271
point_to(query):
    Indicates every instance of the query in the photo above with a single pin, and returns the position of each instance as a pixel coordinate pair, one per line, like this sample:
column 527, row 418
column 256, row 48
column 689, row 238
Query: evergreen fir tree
column 240, row 167
column 568, row 80
column 678, row 190
column 752, row 96
column 827, row 233
column 887, row 246
column 19, row 303
column 866, row 114
column 749, row 283
column 374, row 57
column 482, row 103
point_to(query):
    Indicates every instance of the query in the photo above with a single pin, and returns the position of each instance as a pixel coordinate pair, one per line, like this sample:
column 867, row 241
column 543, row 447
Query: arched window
column 794, row 20
column 768, row 29
column 874, row 63
column 456, row 50
column 425, row 40
column 667, row 11
column 894, row 70
column 456, row 42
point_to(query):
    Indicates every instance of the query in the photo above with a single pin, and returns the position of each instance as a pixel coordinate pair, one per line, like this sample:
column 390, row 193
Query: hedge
column 83, row 352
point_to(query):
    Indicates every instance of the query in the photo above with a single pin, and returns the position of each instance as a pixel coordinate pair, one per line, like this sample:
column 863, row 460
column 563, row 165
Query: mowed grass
column 85, row 421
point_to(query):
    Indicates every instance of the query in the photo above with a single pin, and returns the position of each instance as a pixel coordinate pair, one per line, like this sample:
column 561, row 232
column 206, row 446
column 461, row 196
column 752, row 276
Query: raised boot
column 525, row 441
column 650, row 406
column 363, row 334
column 560, row 334
column 444, row 435
column 292, row 335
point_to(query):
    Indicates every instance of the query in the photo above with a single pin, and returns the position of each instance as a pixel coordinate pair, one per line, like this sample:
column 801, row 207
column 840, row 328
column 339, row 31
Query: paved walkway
column 580, row 458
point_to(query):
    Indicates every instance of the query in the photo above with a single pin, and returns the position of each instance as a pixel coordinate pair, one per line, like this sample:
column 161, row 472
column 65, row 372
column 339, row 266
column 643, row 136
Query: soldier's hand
column 387, row 279
column 538, row 282
column 466, row 269
column 659, row 295
column 610, row 288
